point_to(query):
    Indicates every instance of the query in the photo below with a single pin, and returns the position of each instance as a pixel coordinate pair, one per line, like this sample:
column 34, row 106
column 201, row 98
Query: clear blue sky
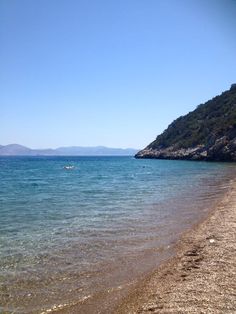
column 109, row 72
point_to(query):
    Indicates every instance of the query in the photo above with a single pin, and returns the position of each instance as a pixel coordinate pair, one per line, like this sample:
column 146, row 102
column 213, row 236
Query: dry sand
column 201, row 278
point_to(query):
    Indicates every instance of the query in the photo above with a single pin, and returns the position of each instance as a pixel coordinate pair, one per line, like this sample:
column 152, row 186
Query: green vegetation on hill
column 203, row 126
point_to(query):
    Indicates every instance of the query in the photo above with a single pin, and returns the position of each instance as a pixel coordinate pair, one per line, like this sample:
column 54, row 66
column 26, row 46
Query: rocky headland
column 207, row 133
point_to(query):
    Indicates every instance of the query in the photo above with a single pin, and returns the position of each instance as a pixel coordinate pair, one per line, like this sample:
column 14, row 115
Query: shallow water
column 69, row 235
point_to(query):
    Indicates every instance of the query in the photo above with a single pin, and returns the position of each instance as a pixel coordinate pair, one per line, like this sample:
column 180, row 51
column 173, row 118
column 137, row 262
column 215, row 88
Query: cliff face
column 207, row 133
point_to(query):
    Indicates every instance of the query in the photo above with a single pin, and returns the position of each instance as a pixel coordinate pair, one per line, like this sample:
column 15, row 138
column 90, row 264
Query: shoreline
column 94, row 268
column 162, row 289
column 201, row 277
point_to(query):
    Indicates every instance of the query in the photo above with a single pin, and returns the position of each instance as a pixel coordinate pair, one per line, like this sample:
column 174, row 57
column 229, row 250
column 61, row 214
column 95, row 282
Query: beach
column 201, row 277
column 114, row 240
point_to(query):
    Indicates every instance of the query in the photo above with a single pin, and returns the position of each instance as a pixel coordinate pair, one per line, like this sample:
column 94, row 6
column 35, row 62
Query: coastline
column 185, row 193
column 201, row 277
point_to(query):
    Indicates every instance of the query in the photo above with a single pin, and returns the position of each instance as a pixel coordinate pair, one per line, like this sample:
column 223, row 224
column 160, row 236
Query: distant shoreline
column 201, row 277
column 20, row 150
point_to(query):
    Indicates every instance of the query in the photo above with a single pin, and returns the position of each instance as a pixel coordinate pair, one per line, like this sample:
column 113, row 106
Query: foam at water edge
column 55, row 308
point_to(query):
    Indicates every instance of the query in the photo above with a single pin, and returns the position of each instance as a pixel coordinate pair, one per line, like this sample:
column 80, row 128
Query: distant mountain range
column 19, row 150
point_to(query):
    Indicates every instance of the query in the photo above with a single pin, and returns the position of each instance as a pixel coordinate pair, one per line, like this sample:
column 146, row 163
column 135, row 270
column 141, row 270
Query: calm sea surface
column 68, row 236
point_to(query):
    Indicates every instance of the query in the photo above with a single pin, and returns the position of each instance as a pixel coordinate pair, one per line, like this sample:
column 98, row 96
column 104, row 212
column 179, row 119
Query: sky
column 112, row 73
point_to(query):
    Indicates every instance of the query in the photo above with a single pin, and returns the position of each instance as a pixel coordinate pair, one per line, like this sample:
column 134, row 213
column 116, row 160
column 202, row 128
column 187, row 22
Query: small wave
column 61, row 306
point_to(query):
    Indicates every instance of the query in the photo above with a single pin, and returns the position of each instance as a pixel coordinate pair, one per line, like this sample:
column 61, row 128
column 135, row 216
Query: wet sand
column 201, row 278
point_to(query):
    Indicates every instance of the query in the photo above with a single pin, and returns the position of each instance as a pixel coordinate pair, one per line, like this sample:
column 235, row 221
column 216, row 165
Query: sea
column 77, row 239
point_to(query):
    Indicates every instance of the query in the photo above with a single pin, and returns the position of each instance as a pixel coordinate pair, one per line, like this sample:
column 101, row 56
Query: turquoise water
column 66, row 235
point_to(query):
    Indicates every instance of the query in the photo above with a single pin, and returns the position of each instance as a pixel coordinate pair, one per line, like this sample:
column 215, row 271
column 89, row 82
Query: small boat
column 69, row 167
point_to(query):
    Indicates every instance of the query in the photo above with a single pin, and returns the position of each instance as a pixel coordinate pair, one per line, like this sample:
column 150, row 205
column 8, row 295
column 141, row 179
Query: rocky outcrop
column 222, row 150
column 208, row 133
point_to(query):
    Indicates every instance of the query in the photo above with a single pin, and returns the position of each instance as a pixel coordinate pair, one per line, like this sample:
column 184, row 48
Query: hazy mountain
column 96, row 151
column 207, row 133
column 19, row 150
column 14, row 149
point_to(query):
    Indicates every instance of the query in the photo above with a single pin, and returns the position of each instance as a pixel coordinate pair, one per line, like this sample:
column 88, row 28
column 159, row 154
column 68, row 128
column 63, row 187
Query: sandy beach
column 201, row 278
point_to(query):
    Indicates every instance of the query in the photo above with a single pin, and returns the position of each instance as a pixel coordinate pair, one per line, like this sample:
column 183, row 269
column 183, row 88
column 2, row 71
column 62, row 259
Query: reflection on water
column 66, row 236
